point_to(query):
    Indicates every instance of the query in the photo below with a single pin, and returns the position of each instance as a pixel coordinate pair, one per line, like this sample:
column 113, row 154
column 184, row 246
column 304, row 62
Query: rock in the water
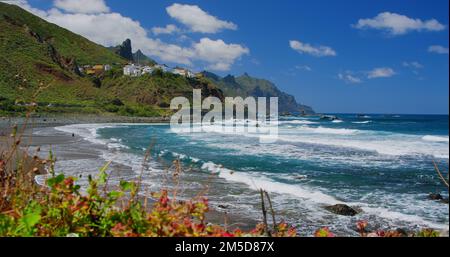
column 342, row 209
column 435, row 197
column 444, row 200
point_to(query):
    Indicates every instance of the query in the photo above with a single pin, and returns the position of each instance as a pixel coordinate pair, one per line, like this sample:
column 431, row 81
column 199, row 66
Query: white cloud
column 414, row 65
column 312, row 50
column 198, row 20
column 218, row 54
column 397, row 24
column 82, row 6
column 303, row 67
column 24, row 4
column 381, row 73
column 112, row 29
column 168, row 29
column 349, row 78
column 438, row 49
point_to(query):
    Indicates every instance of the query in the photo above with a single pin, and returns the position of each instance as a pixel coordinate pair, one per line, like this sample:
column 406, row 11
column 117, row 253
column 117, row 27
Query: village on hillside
column 136, row 70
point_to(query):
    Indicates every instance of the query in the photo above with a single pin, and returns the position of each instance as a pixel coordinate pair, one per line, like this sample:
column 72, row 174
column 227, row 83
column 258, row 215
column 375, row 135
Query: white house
column 107, row 67
column 190, row 74
column 183, row 72
column 131, row 70
column 147, row 70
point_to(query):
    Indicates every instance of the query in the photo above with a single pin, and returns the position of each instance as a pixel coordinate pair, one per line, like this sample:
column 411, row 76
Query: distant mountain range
column 37, row 56
column 246, row 85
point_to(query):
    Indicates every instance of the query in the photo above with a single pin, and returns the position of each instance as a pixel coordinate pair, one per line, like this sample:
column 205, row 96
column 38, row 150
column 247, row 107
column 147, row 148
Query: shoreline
column 59, row 119
column 79, row 151
column 70, row 149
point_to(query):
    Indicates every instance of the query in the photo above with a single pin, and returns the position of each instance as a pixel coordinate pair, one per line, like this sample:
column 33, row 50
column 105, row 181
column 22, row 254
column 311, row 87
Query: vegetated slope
column 43, row 59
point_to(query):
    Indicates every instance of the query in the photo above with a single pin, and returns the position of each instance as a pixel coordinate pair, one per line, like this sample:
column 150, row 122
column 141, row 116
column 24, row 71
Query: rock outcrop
column 341, row 209
column 125, row 50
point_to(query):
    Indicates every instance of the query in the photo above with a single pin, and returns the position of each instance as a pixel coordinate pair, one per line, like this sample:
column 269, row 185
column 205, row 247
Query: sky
column 348, row 56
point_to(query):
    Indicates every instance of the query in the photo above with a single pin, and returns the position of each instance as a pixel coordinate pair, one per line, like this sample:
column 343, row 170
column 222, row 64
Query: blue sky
column 337, row 56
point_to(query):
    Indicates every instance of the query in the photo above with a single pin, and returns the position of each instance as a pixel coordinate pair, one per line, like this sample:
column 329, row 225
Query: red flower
column 227, row 234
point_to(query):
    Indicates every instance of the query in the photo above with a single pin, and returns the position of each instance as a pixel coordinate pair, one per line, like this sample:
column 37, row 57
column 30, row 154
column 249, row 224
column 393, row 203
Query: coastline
column 60, row 119
column 82, row 156
column 70, row 149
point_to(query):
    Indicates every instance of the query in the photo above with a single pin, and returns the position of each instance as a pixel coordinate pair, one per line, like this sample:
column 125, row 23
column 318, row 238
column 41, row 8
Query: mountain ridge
column 246, row 86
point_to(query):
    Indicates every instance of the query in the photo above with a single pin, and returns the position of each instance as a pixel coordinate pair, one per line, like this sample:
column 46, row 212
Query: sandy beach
column 79, row 158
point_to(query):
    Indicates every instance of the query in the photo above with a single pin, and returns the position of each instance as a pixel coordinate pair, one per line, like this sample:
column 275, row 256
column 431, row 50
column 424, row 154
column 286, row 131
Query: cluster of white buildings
column 134, row 70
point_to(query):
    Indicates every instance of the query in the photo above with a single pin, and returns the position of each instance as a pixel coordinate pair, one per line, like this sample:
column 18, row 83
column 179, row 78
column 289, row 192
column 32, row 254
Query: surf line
column 194, row 119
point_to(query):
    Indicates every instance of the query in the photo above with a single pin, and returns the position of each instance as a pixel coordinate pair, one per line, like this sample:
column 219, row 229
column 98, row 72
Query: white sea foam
column 337, row 121
column 395, row 215
column 436, row 138
column 257, row 181
column 305, row 122
column 325, row 130
column 185, row 157
column 362, row 122
column 384, row 143
column 386, row 146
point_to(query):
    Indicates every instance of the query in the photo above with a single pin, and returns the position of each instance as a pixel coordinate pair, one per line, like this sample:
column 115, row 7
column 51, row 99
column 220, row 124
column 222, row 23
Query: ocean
column 380, row 164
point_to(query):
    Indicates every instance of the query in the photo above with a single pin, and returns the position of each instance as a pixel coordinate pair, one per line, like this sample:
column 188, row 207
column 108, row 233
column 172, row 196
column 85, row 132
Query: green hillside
column 69, row 45
column 32, row 58
column 42, row 59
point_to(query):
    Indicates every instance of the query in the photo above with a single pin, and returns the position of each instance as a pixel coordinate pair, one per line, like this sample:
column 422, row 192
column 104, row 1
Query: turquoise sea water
column 381, row 164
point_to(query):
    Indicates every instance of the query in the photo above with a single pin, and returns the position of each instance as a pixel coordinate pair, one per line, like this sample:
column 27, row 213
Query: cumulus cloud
column 318, row 51
column 437, row 49
column 219, row 54
column 397, row 24
column 198, row 20
column 414, row 65
column 82, row 6
column 349, row 78
column 168, row 29
column 383, row 72
column 25, row 5
column 113, row 28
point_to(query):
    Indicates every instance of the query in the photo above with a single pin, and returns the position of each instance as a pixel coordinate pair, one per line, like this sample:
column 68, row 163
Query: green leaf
column 51, row 182
column 115, row 194
column 127, row 186
column 31, row 217
column 30, row 220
